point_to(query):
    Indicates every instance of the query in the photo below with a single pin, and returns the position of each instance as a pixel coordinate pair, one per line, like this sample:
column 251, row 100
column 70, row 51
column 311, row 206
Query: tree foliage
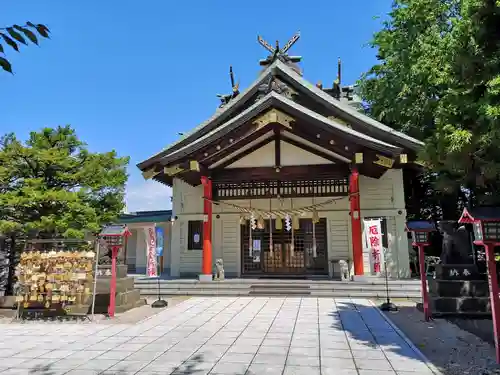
column 438, row 79
column 14, row 35
column 53, row 185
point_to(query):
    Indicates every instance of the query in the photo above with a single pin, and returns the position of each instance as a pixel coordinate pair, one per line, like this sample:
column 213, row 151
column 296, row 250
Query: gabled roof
column 221, row 115
column 145, row 217
column 369, row 123
column 222, row 120
column 420, row 226
column 480, row 214
column 277, row 101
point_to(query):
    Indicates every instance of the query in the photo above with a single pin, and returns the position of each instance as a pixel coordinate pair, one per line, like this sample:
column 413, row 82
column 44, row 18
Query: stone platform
column 459, row 289
column 127, row 296
column 368, row 288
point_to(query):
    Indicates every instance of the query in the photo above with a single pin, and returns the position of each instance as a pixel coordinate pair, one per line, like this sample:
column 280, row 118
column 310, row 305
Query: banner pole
column 97, row 249
column 159, row 243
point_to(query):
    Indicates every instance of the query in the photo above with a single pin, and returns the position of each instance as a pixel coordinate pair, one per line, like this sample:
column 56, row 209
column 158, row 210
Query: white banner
column 373, row 241
column 151, row 265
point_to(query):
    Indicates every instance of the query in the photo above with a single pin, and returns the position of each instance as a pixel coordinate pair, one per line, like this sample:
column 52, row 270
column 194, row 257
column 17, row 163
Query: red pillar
column 494, row 299
column 206, row 268
column 354, row 201
column 112, row 285
column 423, row 282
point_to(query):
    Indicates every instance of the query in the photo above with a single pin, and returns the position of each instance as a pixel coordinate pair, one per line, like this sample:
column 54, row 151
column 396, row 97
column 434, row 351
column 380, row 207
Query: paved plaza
column 240, row 336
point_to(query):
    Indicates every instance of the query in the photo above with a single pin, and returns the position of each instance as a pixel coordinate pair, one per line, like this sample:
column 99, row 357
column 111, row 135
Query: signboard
column 159, row 241
column 151, row 265
column 373, row 238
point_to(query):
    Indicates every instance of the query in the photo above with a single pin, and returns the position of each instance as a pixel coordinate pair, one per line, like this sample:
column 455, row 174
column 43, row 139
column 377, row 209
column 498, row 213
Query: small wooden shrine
column 279, row 180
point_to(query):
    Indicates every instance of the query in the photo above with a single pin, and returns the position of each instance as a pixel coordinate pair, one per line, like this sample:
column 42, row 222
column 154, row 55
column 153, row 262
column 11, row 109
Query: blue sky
column 131, row 75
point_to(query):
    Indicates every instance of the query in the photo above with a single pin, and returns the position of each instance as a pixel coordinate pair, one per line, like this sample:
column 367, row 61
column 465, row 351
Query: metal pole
column 388, row 305
column 158, row 278
column 97, row 248
column 386, row 282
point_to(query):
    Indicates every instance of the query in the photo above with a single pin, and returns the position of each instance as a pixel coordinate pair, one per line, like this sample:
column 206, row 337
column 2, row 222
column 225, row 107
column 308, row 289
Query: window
column 195, row 235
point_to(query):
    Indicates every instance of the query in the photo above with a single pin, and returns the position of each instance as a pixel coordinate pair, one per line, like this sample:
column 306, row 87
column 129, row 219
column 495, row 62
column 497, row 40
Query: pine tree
column 54, row 186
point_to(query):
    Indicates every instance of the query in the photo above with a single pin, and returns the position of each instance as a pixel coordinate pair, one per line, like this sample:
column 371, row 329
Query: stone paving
column 240, row 336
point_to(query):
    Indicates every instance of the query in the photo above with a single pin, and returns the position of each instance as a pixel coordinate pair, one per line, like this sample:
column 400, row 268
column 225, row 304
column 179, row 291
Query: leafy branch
column 13, row 35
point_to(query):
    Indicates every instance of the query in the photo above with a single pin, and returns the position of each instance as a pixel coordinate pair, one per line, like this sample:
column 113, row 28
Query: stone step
column 215, row 289
column 347, row 284
column 246, row 287
column 279, row 286
column 244, row 281
column 458, row 288
column 312, row 292
column 473, row 306
column 270, row 293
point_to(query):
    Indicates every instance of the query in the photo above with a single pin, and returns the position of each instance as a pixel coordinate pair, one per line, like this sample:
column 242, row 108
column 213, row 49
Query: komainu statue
column 344, row 270
column 219, row 269
column 456, row 247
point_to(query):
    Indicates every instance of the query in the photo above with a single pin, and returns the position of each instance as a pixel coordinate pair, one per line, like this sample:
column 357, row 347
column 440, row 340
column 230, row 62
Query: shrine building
column 278, row 181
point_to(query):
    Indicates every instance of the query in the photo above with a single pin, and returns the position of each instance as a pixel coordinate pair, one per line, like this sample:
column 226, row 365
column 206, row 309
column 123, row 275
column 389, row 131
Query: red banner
column 151, row 264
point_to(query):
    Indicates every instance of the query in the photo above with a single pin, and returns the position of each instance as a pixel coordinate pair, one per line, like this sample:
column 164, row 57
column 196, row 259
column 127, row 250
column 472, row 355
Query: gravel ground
column 452, row 350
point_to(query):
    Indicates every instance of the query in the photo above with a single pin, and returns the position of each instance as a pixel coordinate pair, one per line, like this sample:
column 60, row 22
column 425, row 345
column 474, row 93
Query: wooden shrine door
column 282, row 259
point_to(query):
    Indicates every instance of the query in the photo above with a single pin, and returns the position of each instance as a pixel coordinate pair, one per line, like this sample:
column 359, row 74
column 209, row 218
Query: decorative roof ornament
column 276, row 85
column 281, row 54
column 338, row 91
column 235, row 87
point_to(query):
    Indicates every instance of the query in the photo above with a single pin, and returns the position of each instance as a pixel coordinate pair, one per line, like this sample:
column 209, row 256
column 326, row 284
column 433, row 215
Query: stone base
column 205, row 278
column 126, row 296
column 362, row 278
column 459, row 288
column 469, row 306
column 121, row 271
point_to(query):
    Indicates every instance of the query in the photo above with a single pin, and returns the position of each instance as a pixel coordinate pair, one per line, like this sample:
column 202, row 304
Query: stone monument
column 458, row 288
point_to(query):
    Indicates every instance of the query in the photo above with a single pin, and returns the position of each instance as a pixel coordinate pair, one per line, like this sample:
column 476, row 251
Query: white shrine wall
column 380, row 198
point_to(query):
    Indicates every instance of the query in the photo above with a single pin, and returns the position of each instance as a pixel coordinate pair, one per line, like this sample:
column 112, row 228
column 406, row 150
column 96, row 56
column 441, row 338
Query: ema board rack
column 56, row 278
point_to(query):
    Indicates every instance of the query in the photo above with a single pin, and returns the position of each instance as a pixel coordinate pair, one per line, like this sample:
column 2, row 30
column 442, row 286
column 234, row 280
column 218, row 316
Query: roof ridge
column 218, row 113
column 381, row 145
column 331, row 122
column 341, row 106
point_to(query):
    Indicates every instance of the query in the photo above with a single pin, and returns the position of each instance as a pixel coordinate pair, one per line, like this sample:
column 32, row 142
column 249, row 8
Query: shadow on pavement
column 366, row 327
column 195, row 365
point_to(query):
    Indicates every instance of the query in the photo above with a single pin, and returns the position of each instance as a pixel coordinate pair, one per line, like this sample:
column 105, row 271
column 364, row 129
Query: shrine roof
column 221, row 115
column 115, row 230
column 480, row 214
column 370, row 130
column 145, row 217
column 367, row 122
column 276, row 100
column 420, row 226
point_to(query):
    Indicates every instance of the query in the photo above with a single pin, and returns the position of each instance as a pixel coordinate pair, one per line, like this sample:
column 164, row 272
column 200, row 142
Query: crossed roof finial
column 278, row 53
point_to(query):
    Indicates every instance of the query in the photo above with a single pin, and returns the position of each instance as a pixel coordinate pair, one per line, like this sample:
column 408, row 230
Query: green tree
column 53, row 185
column 438, row 79
column 14, row 35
